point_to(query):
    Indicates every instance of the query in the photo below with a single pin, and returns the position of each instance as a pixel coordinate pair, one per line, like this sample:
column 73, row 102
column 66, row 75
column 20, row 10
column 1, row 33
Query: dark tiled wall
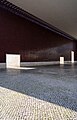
column 32, row 41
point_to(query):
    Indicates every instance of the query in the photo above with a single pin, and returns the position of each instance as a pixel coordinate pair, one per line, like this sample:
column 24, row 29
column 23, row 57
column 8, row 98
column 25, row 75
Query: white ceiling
column 59, row 13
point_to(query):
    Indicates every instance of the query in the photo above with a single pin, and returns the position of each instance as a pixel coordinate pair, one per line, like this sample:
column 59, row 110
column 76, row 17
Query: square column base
column 12, row 60
column 61, row 60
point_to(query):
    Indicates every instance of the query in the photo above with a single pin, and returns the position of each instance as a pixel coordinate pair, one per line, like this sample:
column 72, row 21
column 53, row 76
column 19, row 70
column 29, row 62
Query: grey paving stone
column 45, row 93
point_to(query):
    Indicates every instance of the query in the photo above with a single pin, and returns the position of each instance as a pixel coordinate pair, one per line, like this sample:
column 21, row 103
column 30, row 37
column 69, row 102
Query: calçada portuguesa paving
column 44, row 93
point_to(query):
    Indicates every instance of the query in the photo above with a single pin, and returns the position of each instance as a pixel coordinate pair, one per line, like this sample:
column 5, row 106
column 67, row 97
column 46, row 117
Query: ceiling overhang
column 20, row 10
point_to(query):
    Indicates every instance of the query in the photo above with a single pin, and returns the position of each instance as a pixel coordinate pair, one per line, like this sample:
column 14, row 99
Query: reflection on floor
column 22, row 68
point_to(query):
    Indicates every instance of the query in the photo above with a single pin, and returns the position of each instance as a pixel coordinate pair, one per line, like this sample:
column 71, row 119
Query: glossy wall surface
column 31, row 41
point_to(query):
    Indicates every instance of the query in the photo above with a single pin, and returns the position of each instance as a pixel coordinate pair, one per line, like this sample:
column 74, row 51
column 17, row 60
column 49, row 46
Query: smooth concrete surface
column 12, row 60
column 44, row 93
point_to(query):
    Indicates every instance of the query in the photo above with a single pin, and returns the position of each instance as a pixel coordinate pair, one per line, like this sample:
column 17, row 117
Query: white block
column 61, row 60
column 72, row 56
column 12, row 60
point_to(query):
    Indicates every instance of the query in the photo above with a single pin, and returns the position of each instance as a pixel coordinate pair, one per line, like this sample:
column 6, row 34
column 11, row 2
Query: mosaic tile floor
column 17, row 106
column 44, row 93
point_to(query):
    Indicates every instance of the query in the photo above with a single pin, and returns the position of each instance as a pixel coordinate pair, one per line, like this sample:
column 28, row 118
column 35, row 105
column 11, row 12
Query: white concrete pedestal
column 12, row 60
column 72, row 56
column 61, row 60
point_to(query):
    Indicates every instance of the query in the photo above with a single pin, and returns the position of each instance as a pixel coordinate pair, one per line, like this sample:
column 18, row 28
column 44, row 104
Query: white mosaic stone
column 17, row 106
